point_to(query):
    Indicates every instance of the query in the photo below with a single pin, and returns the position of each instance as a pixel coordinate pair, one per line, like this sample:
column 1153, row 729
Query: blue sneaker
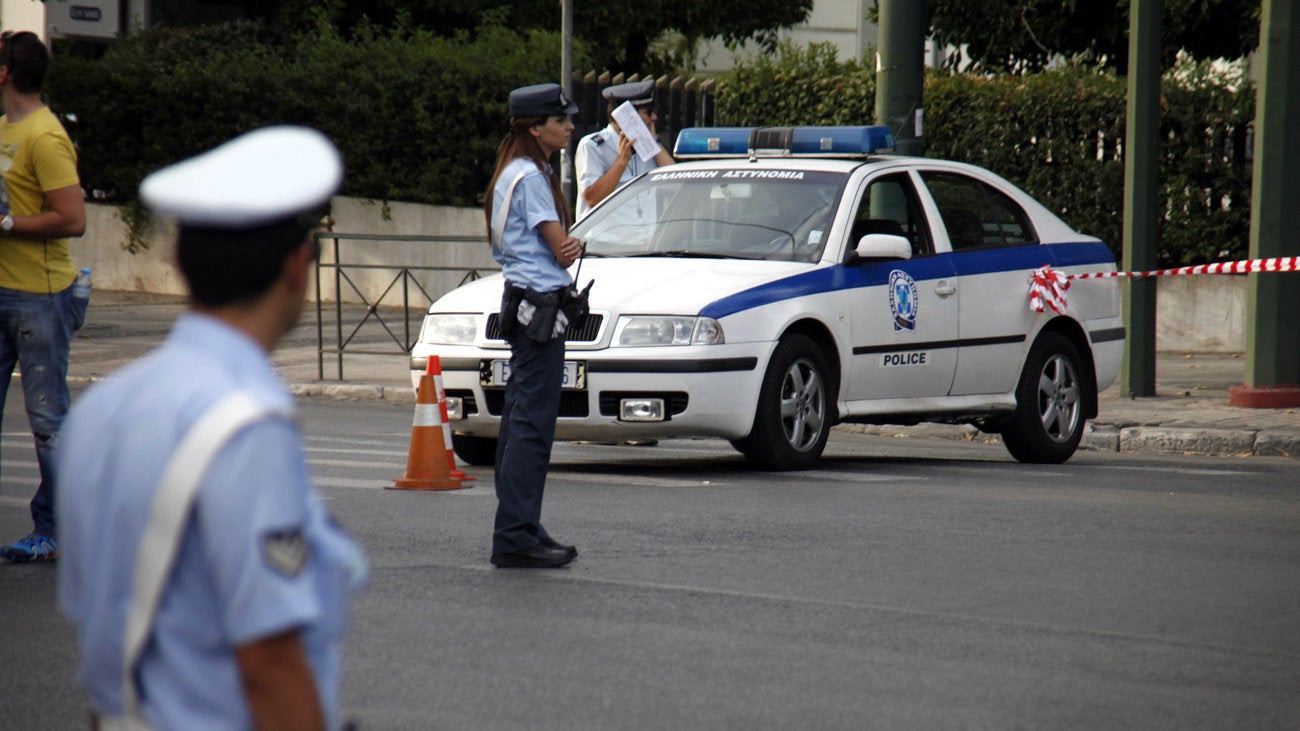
column 34, row 547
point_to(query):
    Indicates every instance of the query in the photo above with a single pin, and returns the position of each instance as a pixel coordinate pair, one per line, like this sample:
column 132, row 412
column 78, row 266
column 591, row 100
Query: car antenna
column 582, row 254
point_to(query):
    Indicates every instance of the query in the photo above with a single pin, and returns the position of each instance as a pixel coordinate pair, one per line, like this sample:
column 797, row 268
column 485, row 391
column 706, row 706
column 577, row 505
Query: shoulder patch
column 598, row 140
column 285, row 551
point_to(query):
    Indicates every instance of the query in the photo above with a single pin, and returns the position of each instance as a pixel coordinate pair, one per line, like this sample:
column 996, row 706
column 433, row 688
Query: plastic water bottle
column 81, row 288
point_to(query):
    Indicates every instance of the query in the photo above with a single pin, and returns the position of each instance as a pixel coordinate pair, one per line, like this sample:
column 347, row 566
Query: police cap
column 264, row 177
column 637, row 92
column 540, row 100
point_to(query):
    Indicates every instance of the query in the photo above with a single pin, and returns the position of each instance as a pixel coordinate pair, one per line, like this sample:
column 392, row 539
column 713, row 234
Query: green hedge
column 799, row 85
column 417, row 117
column 1059, row 135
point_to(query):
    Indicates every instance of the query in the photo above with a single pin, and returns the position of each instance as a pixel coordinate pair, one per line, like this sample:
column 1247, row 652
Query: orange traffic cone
column 434, row 368
column 426, row 467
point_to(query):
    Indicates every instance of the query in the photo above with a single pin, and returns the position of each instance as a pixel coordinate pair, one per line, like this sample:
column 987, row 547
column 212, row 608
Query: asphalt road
column 905, row 583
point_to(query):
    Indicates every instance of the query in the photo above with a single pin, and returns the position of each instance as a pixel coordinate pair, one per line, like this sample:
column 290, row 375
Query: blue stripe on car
column 985, row 261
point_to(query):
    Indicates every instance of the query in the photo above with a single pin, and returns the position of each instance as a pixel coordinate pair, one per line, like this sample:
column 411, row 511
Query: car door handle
column 944, row 289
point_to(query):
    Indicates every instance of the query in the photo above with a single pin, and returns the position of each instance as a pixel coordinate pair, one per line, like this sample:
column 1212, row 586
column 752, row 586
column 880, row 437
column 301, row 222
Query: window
column 778, row 215
column 976, row 214
column 890, row 206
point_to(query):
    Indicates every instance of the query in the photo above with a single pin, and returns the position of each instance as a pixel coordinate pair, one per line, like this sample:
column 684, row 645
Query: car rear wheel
column 795, row 408
column 478, row 451
column 1048, row 422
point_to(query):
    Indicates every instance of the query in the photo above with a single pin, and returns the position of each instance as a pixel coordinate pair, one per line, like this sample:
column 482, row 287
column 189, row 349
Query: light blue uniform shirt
column 524, row 257
column 595, row 155
column 229, row 585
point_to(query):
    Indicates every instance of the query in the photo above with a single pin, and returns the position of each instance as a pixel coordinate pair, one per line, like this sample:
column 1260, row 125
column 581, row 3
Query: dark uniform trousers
column 524, row 440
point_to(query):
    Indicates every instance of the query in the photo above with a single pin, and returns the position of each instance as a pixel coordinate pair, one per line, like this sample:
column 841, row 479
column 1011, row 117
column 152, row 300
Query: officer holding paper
column 608, row 158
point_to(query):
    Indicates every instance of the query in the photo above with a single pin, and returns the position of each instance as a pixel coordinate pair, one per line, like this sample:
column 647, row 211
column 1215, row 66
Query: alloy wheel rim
column 803, row 405
column 1058, row 399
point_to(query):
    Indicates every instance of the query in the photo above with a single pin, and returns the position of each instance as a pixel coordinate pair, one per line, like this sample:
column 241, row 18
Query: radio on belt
column 708, row 142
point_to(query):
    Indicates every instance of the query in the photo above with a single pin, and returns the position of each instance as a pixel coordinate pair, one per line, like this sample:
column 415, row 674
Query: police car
column 778, row 281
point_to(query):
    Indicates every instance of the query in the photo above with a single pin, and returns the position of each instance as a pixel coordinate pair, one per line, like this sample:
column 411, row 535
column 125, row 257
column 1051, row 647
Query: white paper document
column 630, row 122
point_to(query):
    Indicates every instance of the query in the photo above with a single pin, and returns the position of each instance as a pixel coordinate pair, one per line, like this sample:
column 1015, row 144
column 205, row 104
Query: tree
column 617, row 33
column 1024, row 35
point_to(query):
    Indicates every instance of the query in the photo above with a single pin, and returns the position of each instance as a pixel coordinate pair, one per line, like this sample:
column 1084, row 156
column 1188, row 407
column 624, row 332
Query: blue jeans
column 35, row 333
column 524, row 440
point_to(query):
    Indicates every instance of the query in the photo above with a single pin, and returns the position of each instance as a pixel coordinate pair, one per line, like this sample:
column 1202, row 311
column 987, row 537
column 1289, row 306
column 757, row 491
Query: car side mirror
column 881, row 246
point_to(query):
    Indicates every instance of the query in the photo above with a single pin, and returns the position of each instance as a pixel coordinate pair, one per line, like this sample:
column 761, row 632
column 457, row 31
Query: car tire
column 1048, row 421
column 796, row 408
column 478, row 451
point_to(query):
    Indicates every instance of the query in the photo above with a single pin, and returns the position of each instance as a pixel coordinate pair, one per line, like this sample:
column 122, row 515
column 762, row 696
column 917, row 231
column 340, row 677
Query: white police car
column 791, row 278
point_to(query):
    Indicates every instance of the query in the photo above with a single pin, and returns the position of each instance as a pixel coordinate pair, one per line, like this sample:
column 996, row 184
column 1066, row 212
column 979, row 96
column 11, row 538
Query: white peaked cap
column 257, row 178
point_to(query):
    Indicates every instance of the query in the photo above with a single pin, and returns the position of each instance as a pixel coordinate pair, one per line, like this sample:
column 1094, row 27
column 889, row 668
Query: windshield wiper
column 684, row 254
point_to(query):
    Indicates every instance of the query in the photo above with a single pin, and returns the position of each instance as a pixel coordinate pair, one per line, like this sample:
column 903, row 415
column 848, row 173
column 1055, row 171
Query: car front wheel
column 795, row 408
column 478, row 451
column 1048, row 422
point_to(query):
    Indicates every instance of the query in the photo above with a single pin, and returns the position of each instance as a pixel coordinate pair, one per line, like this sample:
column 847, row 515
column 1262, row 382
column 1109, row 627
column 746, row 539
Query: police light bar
column 713, row 142
column 706, row 142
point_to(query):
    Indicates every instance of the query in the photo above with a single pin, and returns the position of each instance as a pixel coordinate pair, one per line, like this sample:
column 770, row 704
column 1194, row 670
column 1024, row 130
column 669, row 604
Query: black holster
column 510, row 300
column 541, row 327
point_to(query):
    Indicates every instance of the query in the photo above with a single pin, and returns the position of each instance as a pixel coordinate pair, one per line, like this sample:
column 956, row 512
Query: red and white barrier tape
column 1047, row 288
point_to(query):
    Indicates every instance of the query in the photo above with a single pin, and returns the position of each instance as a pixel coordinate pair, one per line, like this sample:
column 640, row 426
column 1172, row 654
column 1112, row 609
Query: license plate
column 497, row 373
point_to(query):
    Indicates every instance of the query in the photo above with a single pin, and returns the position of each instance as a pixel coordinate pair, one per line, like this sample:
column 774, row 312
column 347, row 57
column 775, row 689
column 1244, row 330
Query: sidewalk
column 1189, row 415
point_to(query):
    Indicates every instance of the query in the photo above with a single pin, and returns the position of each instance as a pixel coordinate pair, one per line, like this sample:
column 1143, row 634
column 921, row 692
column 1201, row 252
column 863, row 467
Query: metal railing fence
column 405, row 275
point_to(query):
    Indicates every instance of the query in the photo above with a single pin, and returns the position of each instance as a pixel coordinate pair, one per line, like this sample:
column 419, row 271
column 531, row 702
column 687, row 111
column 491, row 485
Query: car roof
column 826, row 164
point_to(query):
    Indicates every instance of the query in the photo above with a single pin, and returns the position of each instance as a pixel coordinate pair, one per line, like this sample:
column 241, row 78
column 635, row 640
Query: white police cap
column 258, row 178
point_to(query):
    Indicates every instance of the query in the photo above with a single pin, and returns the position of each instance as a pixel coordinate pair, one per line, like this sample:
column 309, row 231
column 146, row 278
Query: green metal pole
column 1273, row 299
column 1141, row 202
column 900, row 72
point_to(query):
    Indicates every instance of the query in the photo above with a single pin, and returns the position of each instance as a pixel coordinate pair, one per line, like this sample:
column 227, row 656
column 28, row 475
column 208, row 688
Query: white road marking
column 344, row 450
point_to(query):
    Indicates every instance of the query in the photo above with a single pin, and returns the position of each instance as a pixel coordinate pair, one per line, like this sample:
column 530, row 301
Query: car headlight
column 645, row 330
column 450, row 329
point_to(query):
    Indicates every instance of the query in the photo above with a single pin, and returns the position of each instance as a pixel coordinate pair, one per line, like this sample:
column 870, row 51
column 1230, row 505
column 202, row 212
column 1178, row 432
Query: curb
column 1133, row 439
column 353, row 392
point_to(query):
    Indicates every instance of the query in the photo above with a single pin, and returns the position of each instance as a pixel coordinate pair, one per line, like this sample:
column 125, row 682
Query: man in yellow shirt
column 41, row 206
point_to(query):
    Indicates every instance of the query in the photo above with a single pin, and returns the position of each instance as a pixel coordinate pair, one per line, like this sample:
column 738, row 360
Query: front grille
column 674, row 401
column 572, row 403
column 584, row 330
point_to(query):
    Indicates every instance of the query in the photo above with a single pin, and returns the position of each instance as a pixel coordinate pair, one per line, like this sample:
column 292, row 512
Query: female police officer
column 528, row 223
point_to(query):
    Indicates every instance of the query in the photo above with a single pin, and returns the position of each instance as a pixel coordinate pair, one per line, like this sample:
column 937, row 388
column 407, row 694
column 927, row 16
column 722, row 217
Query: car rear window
column 977, row 215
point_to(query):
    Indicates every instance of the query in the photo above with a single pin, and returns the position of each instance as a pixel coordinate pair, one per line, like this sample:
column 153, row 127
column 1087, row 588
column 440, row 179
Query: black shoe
column 550, row 542
column 537, row 557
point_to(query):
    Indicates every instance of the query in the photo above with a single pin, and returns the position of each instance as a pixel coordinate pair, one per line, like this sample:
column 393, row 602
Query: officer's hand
column 625, row 148
column 570, row 250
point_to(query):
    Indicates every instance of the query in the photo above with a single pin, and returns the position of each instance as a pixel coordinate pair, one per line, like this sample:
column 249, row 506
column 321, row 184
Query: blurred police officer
column 607, row 159
column 528, row 223
column 206, row 580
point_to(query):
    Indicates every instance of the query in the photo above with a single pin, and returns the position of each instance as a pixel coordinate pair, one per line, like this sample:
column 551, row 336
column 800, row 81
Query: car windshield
column 779, row 215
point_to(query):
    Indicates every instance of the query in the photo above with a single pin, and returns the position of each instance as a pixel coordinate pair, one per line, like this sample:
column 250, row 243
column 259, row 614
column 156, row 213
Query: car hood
column 667, row 286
